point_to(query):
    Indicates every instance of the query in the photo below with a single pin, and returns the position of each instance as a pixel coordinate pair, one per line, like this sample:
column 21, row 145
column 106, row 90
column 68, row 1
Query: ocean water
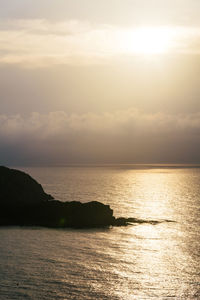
column 136, row 262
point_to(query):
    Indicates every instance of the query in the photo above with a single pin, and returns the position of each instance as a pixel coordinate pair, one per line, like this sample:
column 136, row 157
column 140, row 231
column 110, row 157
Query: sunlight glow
column 147, row 40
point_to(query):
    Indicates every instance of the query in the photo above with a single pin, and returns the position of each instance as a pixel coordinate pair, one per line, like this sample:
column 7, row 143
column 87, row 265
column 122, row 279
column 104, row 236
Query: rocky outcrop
column 58, row 214
column 23, row 202
column 18, row 188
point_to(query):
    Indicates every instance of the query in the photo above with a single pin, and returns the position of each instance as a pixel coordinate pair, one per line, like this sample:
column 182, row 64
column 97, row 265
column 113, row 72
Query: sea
column 139, row 261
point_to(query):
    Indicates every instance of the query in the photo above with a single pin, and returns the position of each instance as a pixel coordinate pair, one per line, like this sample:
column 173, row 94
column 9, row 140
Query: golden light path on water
column 141, row 261
column 163, row 254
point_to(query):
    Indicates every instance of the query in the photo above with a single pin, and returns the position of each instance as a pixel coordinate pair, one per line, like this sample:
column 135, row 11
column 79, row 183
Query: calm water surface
column 136, row 262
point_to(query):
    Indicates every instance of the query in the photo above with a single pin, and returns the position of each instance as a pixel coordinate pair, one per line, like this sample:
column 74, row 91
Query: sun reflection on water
column 141, row 261
column 161, row 252
column 155, row 199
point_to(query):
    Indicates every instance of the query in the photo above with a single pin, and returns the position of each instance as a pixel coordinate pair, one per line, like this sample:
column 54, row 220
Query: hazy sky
column 95, row 81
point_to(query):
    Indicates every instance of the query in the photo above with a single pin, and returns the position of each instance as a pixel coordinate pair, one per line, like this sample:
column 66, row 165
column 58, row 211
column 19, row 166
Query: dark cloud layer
column 127, row 136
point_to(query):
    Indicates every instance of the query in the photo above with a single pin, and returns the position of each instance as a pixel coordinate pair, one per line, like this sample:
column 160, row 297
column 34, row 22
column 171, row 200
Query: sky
column 94, row 81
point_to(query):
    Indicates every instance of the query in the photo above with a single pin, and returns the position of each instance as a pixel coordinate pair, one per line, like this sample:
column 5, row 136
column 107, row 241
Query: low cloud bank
column 128, row 136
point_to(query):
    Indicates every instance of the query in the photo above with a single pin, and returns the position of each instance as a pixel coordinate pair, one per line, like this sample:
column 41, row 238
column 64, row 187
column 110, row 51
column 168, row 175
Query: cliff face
column 24, row 202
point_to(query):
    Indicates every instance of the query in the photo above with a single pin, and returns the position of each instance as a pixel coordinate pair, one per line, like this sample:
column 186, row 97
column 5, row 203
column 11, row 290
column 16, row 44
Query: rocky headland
column 23, row 202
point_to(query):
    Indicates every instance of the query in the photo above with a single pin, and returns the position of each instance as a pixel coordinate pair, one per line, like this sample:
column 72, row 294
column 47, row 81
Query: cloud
column 40, row 43
column 123, row 136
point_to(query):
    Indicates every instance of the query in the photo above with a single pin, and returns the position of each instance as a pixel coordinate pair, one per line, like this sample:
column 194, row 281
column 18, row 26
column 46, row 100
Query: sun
column 147, row 40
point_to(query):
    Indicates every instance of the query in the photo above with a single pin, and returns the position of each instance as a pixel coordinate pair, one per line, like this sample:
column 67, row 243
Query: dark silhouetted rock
column 17, row 187
column 23, row 202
